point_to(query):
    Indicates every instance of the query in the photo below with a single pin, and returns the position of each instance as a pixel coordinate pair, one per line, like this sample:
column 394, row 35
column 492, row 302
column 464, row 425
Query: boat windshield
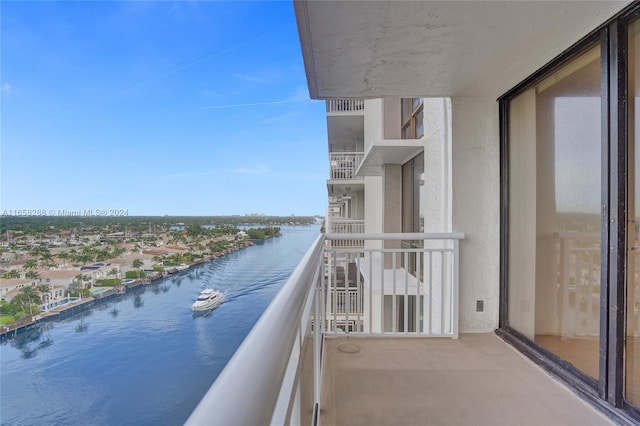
column 207, row 296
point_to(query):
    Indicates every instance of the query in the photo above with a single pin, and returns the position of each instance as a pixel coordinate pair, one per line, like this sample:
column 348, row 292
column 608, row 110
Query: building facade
column 515, row 124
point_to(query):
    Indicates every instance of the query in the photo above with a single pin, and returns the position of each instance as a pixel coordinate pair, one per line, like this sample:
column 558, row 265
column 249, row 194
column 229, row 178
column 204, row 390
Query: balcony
column 336, row 225
column 345, row 106
column 344, row 342
column 344, row 165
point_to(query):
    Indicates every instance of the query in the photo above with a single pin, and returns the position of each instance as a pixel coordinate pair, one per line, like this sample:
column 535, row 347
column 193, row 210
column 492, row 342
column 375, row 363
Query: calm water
column 143, row 359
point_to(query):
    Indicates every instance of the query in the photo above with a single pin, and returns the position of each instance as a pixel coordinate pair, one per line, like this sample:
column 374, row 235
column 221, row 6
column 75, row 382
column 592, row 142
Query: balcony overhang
column 388, row 151
column 344, row 186
column 373, row 49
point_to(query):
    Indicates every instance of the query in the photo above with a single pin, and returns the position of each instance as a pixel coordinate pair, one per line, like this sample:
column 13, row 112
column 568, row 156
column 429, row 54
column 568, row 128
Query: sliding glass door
column 571, row 215
column 554, row 211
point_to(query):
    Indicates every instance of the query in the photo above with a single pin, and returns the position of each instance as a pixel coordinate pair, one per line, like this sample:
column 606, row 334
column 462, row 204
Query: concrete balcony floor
column 476, row 380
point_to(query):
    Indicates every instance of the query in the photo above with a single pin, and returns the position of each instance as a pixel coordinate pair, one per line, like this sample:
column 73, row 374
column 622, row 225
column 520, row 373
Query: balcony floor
column 476, row 380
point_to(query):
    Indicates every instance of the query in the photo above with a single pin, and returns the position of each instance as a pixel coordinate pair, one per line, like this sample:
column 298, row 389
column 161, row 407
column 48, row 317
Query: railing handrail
column 344, row 153
column 345, row 220
column 255, row 373
column 345, row 105
column 398, row 236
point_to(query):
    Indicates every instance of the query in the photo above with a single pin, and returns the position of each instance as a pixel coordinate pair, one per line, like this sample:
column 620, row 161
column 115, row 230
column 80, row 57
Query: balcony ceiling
column 344, row 187
column 388, row 151
column 345, row 132
column 436, row 48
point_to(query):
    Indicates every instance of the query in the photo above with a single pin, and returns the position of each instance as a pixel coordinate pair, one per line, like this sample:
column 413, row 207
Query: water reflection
column 114, row 312
column 138, row 302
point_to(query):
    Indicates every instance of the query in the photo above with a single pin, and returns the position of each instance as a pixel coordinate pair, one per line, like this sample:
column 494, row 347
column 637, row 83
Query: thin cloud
column 6, row 88
column 252, row 171
column 178, row 69
column 195, row 174
column 287, row 116
column 299, row 96
column 260, row 77
column 249, row 104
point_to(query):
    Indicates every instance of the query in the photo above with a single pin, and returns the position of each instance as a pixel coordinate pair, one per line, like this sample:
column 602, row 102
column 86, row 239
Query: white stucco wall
column 476, row 208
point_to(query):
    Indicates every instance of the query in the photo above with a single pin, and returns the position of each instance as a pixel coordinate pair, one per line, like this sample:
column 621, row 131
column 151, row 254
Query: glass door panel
column 554, row 212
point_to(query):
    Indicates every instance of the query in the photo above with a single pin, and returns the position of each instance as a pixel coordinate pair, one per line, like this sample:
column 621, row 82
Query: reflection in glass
column 554, row 212
column 632, row 358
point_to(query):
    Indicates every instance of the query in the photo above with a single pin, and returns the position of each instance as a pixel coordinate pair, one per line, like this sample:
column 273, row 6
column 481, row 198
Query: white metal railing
column 346, row 226
column 345, row 105
column 345, row 164
column 579, row 283
column 392, row 290
column 345, row 301
column 265, row 381
column 275, row 375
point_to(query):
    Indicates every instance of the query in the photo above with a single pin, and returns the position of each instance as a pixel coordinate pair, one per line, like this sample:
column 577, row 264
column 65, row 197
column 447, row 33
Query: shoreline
column 71, row 308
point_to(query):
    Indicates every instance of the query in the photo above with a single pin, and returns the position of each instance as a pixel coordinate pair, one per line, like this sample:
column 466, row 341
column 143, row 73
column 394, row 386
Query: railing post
column 456, row 284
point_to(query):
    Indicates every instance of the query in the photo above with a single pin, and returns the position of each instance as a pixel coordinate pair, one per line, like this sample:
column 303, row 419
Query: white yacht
column 208, row 299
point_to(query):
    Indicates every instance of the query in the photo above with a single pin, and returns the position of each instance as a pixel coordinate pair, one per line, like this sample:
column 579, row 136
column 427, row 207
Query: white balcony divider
column 345, row 164
column 345, row 105
column 262, row 383
column 389, row 290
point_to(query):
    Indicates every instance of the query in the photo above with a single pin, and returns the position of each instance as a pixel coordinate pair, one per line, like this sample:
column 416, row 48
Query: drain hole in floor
column 349, row 348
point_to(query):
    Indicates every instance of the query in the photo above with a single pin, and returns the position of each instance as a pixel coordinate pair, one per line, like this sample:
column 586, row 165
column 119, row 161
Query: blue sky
column 178, row 108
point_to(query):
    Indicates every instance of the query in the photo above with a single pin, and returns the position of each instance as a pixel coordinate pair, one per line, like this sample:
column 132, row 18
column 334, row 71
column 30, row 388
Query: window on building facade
column 413, row 204
column 412, row 117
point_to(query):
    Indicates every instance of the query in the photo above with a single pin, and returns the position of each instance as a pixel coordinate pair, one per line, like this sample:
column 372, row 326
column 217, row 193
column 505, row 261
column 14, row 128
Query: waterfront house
column 483, row 181
column 10, row 287
column 60, row 278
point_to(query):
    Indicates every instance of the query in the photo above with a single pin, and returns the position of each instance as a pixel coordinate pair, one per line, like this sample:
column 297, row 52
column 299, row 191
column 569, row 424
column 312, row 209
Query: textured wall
column 476, row 208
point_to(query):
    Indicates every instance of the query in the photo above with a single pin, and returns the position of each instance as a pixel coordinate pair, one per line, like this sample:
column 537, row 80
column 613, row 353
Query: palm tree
column 88, row 279
column 46, row 259
column 137, row 264
column 44, row 290
column 113, row 271
column 27, row 297
column 31, row 264
column 64, row 256
column 32, row 275
column 14, row 273
column 79, row 280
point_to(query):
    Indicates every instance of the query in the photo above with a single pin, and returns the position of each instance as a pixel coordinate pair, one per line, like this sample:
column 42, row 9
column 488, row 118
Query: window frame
column 410, row 122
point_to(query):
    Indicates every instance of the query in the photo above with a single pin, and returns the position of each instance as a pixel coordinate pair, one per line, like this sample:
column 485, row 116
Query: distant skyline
column 159, row 108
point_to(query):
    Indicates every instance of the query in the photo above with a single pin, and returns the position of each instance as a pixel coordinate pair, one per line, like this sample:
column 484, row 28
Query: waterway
column 143, row 358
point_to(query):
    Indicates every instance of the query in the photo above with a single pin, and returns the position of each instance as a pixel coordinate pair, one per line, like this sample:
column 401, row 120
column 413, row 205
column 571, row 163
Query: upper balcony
column 345, row 107
column 332, row 348
column 342, row 173
column 343, row 165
